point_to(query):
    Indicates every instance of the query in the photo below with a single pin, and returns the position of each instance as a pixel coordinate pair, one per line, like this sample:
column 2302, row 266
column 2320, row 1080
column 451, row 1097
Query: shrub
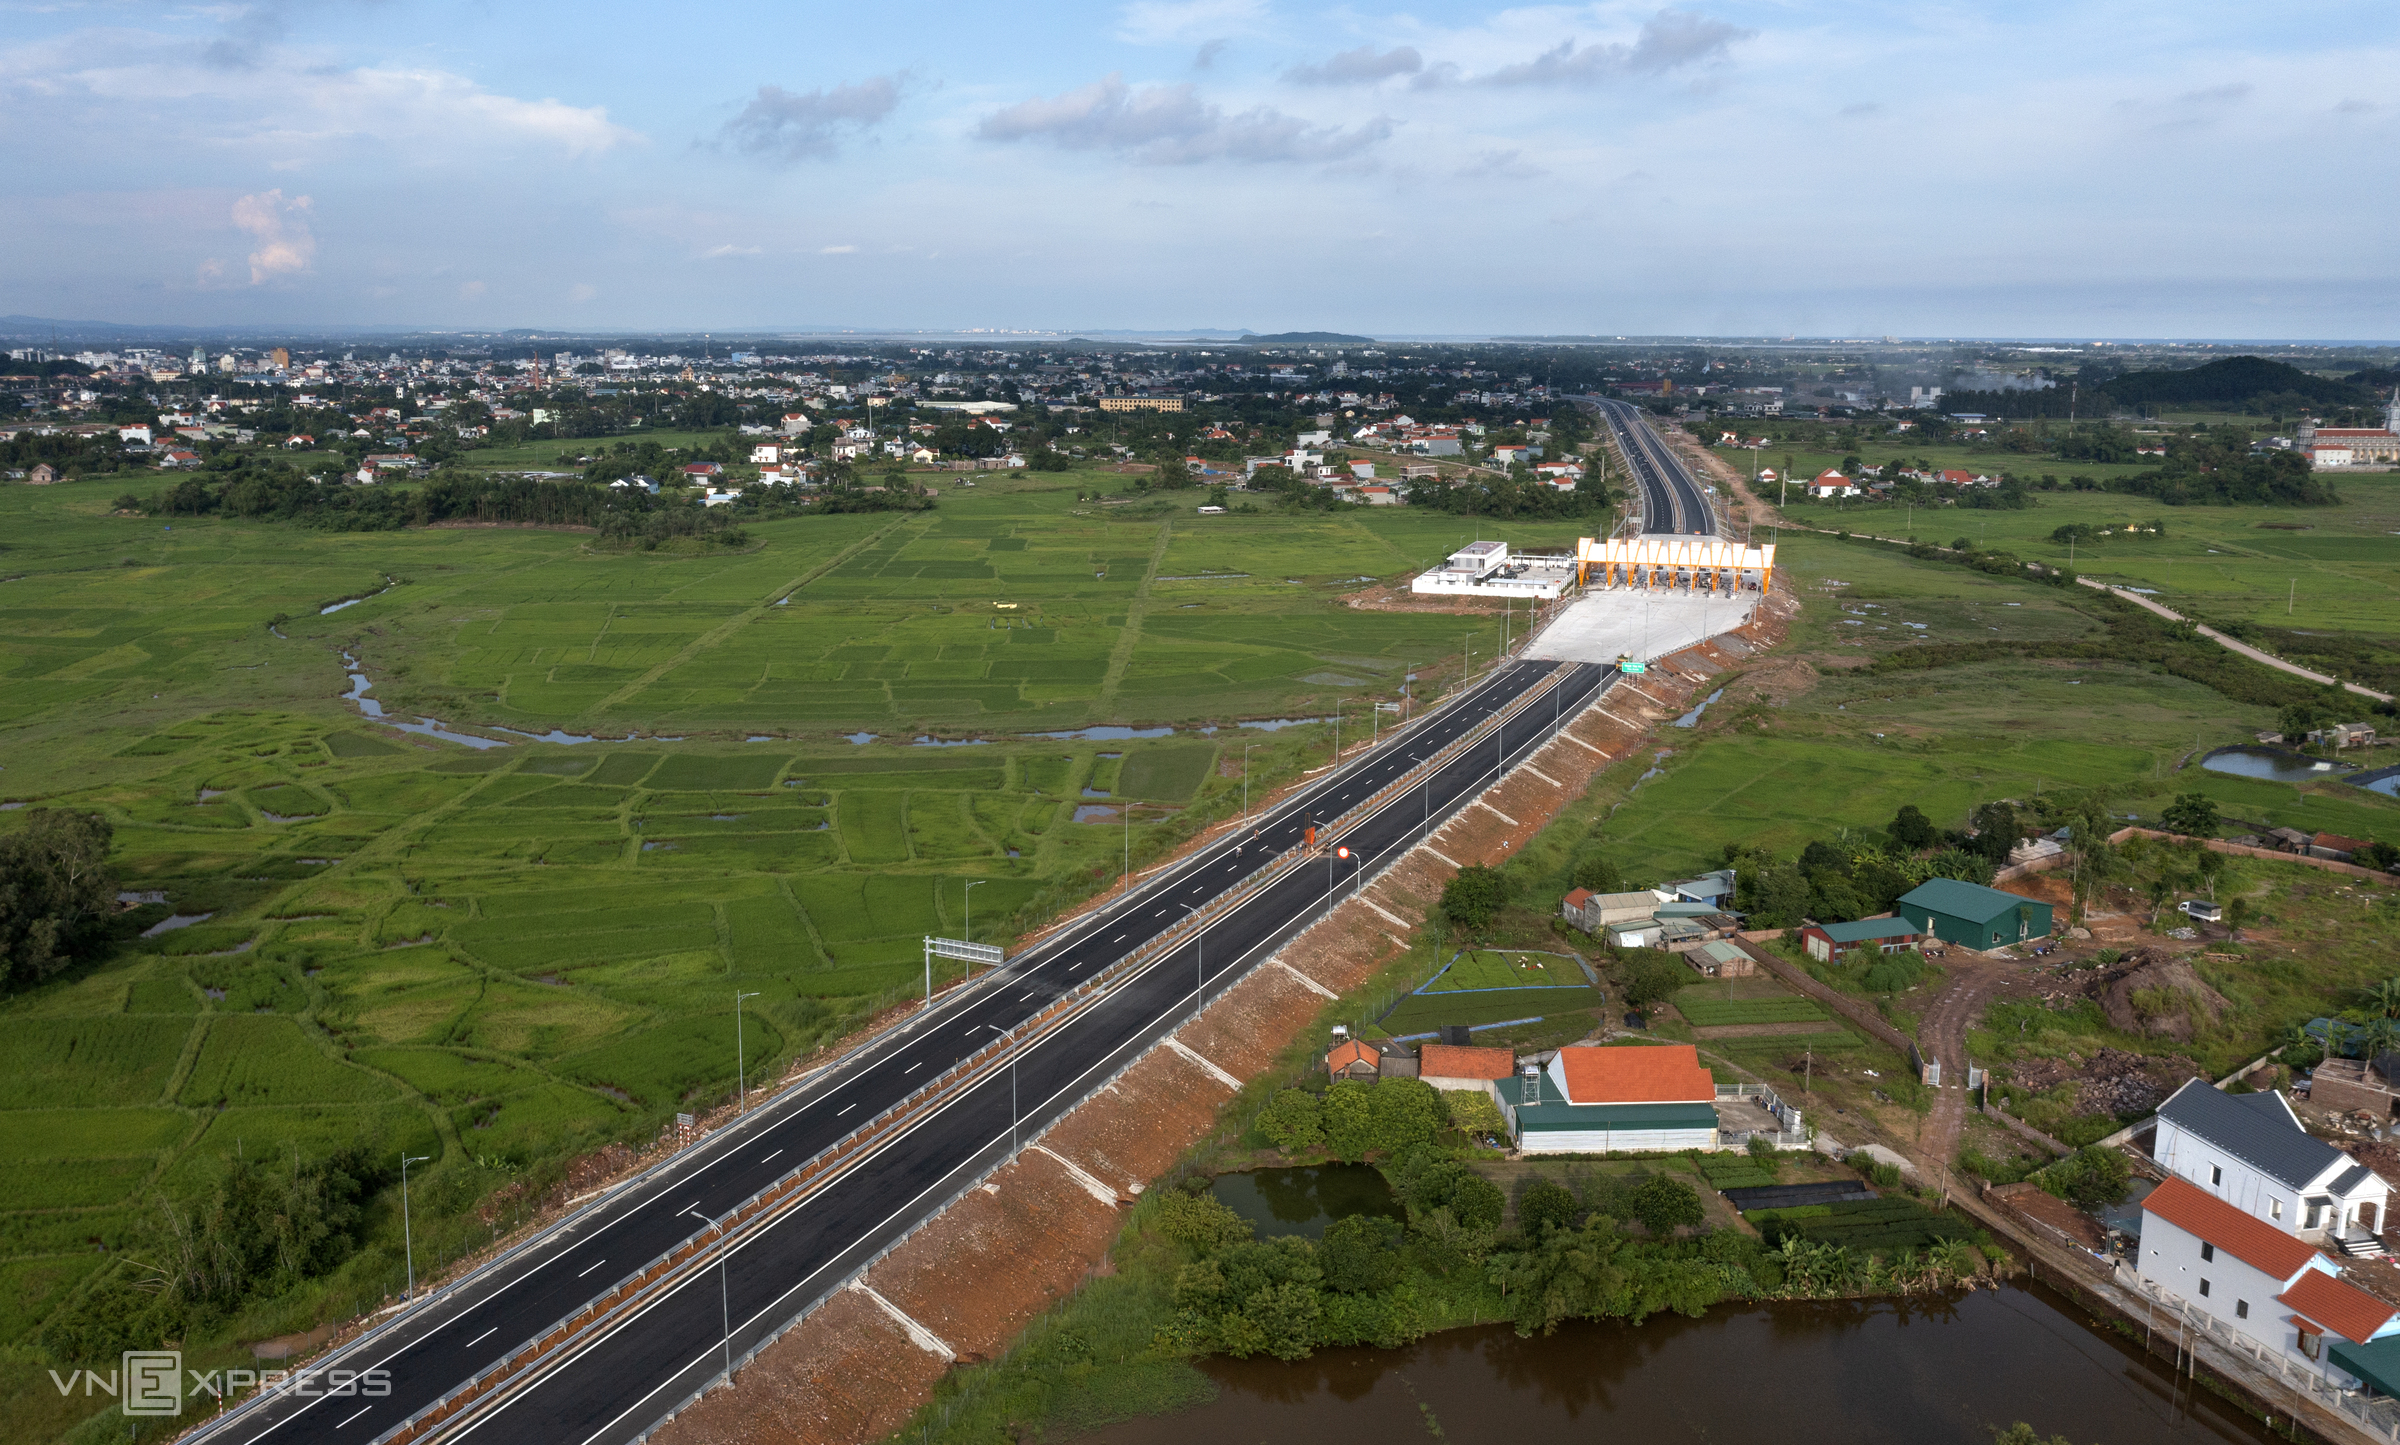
column 1664, row 1202
column 2090, row 1177
column 1202, row 1221
column 1545, row 1205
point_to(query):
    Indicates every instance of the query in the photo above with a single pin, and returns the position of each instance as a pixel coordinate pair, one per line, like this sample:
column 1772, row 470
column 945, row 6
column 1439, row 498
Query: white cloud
column 1669, row 40
column 836, row 250
column 286, row 246
column 1363, row 66
column 1182, row 22
column 790, row 128
column 1172, row 125
column 285, row 104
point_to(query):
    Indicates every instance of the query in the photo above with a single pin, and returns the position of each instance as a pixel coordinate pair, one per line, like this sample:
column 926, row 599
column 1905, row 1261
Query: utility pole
column 1246, row 747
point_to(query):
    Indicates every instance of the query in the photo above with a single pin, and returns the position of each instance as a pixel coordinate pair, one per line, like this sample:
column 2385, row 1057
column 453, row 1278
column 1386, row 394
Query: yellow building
column 1141, row 403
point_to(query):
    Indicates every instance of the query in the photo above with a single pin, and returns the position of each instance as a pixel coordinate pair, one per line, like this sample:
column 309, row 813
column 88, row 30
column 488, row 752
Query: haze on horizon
column 1734, row 167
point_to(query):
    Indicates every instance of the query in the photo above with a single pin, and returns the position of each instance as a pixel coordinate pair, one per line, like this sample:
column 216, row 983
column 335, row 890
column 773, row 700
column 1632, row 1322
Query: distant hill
column 1315, row 338
column 2232, row 381
column 2381, row 378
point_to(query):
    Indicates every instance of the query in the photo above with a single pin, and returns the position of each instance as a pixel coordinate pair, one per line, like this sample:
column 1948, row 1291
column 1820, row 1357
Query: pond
column 1859, row 1372
column 2269, row 763
column 1305, row 1201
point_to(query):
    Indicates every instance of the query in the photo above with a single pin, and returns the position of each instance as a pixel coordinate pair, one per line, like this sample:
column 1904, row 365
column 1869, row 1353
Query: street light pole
column 1246, row 747
column 1198, row 966
column 741, row 1062
column 724, row 1293
column 970, row 892
column 408, row 1238
column 1014, row 1146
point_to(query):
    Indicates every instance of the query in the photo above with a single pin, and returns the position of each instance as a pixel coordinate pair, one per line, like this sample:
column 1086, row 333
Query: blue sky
column 2167, row 169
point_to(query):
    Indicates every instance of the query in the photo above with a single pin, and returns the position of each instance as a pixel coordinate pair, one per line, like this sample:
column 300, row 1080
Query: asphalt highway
column 1673, row 500
column 616, row 1387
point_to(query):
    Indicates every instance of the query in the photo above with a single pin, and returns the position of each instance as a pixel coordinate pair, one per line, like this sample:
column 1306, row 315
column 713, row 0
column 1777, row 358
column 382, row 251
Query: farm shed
column 1451, row 1066
column 1973, row 916
column 1720, row 959
column 1886, row 935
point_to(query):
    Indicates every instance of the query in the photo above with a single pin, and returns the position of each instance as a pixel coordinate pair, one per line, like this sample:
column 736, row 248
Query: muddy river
column 1884, row 1372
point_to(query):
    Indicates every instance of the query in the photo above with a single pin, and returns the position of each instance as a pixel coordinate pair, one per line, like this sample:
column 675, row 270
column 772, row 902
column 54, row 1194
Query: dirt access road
column 1975, row 980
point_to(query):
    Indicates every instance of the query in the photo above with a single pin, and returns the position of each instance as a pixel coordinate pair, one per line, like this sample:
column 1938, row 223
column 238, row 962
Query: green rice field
column 507, row 958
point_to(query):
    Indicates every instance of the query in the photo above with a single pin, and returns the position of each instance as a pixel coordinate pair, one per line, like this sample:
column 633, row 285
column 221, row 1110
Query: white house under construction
column 1486, row 569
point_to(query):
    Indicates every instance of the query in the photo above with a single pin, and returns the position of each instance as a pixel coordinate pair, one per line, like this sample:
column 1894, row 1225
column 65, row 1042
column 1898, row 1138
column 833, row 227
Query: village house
column 1590, row 1100
column 1592, row 912
column 2266, row 1286
column 2335, row 848
column 1466, row 1067
column 1829, row 483
column 2250, row 1151
column 1828, row 941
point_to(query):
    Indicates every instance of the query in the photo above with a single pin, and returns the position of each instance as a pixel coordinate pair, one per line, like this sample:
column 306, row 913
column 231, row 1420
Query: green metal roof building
column 1556, row 1125
column 1973, row 916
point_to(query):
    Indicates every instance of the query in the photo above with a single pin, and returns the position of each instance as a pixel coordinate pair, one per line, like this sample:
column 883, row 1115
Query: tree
column 1911, row 829
column 1652, row 976
column 1361, row 1254
column 1349, row 1120
column 1820, row 858
column 1473, row 1112
column 1405, row 1112
column 1473, row 895
column 2194, row 815
column 56, row 893
column 1293, row 1121
column 2299, row 720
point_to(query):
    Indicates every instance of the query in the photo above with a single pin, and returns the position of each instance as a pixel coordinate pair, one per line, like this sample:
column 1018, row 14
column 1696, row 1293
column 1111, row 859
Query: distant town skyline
column 1744, row 169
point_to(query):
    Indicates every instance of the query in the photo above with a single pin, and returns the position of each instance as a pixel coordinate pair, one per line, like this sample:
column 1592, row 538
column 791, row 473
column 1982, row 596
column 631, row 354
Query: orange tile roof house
column 1455, row 1066
column 1354, row 1059
column 1638, row 1098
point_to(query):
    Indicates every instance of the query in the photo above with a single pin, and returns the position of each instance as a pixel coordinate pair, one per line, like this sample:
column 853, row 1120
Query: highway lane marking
column 846, row 1108
column 705, row 1355
column 587, row 1269
column 1120, row 938
column 346, row 1419
column 912, row 1068
column 771, row 1158
column 1027, row 994
column 479, row 1339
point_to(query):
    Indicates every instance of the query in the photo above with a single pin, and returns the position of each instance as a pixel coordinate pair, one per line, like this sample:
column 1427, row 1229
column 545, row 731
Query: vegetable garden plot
column 1705, row 1012
column 1863, row 1224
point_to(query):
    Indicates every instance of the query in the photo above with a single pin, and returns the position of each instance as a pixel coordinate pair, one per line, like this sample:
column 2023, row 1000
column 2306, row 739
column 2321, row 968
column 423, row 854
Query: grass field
column 2332, row 567
column 1484, row 969
column 1784, row 766
column 1705, row 1011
